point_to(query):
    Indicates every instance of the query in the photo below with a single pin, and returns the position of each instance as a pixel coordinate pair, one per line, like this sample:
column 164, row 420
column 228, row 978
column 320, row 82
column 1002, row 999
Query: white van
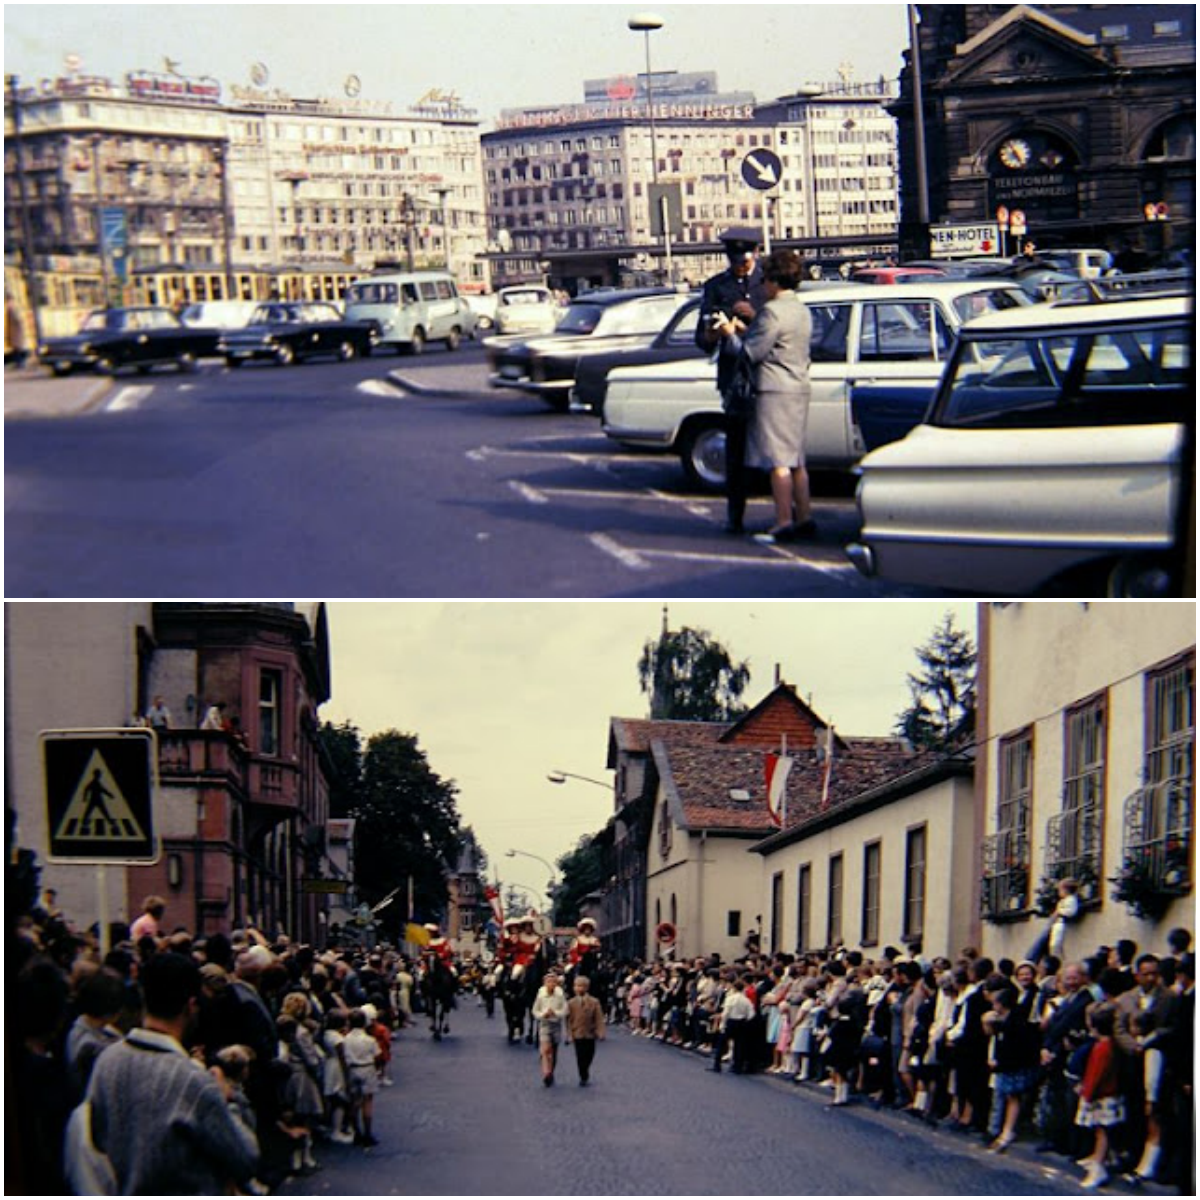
column 219, row 314
column 411, row 310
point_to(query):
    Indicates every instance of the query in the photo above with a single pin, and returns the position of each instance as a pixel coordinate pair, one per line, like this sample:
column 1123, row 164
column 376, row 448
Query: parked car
column 219, row 314
column 143, row 337
column 1052, row 458
column 527, row 309
column 675, row 341
column 412, row 309
column 902, row 274
column 861, row 332
column 287, row 332
column 591, row 324
column 484, row 308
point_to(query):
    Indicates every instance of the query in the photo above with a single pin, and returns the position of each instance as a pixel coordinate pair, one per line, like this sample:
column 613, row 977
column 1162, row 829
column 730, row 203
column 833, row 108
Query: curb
column 53, row 398
column 419, row 389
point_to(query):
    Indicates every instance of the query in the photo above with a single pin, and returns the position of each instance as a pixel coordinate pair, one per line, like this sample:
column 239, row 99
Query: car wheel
column 285, row 355
column 186, row 362
column 347, row 352
column 143, row 369
column 454, row 338
column 233, row 363
column 417, row 345
column 702, row 452
column 106, row 365
column 1142, row 577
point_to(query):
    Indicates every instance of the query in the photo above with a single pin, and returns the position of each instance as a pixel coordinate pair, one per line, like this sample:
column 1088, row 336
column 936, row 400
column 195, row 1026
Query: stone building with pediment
column 1081, row 117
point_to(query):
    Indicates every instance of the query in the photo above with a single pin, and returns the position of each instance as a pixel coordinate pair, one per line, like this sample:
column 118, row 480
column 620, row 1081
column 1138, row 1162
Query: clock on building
column 1015, row 153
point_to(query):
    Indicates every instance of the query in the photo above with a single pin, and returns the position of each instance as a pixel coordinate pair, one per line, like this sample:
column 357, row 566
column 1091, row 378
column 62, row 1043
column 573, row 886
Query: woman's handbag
column 738, row 397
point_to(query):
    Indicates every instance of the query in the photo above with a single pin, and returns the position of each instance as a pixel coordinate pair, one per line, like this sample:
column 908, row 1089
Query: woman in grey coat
column 777, row 343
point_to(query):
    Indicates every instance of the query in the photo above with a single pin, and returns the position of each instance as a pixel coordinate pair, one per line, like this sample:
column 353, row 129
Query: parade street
column 469, row 1116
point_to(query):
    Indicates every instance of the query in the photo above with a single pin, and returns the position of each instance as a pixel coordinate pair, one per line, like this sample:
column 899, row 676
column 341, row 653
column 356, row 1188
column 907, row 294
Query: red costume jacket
column 580, row 946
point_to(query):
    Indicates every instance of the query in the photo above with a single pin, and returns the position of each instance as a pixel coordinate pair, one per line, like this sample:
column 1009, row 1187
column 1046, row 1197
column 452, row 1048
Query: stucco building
column 1086, row 768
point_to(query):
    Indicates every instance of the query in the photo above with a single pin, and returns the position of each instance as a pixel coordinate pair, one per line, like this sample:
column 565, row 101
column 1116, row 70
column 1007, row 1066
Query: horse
column 438, row 985
column 518, row 994
column 590, row 968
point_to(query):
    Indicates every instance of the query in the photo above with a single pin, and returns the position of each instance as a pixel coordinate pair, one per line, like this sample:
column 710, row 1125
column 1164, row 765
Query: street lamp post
column 552, row 886
column 563, row 776
column 221, row 154
column 646, row 23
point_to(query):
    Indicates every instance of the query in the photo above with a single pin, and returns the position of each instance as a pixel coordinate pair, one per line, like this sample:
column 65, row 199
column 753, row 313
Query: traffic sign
column 762, row 169
column 666, row 209
column 1016, row 222
column 100, row 787
column 950, row 240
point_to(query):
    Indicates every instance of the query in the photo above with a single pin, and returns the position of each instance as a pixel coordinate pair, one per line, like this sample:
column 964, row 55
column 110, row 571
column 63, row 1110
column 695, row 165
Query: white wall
column 67, row 666
column 1044, row 658
column 945, row 809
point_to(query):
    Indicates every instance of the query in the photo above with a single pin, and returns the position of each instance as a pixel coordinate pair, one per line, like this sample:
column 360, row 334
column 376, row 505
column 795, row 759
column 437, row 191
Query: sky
column 500, row 694
column 493, row 56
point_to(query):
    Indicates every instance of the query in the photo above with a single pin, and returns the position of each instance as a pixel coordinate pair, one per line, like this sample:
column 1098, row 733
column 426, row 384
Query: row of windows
column 837, row 929
column 1075, row 833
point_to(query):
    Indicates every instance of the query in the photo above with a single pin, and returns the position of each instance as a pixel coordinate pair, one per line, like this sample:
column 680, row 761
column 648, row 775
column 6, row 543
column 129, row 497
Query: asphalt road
column 387, row 477
column 469, row 1116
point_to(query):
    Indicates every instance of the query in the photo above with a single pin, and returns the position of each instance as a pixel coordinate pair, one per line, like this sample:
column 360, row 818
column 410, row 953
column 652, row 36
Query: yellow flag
column 417, row 934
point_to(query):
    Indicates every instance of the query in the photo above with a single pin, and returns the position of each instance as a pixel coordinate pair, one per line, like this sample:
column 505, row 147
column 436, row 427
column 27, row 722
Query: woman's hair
column 784, row 268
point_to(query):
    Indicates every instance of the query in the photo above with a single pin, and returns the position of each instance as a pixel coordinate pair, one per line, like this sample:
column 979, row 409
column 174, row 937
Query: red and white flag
column 492, row 896
column 778, row 768
column 828, row 768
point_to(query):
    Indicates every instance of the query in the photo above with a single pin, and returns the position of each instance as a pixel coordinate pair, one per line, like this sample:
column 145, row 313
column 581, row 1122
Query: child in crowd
column 1101, row 1104
column 361, row 1050
column 300, row 1101
column 336, row 1078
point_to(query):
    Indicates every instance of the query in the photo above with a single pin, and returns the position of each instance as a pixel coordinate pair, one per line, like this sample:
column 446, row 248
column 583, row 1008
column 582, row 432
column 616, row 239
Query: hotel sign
column 151, row 85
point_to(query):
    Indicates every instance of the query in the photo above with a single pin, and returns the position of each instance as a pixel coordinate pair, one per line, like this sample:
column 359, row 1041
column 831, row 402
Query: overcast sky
column 498, row 694
column 493, row 55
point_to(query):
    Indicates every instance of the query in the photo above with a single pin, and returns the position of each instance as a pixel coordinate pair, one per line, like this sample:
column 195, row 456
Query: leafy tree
column 582, row 872
column 943, row 691
column 343, row 745
column 691, row 677
column 407, row 828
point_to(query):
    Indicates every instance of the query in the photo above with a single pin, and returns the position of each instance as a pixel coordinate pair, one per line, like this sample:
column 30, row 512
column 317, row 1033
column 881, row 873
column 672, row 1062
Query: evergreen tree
column 943, row 691
column 691, row 677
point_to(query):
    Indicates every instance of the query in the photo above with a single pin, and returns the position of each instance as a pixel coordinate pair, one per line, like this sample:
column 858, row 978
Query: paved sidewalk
column 31, row 392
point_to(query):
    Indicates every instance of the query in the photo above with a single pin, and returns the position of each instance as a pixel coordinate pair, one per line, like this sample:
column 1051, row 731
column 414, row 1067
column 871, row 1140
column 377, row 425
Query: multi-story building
column 570, row 188
column 1086, row 770
column 1082, row 117
column 240, row 812
column 163, row 177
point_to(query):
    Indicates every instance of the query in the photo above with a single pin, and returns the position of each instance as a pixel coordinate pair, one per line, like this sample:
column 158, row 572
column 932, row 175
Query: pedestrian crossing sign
column 99, row 794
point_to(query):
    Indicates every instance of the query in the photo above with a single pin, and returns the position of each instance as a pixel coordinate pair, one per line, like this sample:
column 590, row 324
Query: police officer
column 737, row 291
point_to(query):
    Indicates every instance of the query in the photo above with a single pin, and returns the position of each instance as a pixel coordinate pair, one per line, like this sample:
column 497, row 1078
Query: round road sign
column 762, row 169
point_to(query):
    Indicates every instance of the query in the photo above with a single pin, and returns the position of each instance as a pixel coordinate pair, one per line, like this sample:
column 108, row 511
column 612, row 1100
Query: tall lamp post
column 563, row 776
column 646, row 23
column 552, row 886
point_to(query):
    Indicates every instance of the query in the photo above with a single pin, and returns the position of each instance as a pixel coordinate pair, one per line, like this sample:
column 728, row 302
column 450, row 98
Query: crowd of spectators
column 1090, row 1059
column 209, row 1065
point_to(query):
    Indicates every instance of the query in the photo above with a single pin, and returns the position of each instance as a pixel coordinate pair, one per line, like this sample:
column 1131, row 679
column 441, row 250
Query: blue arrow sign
column 762, row 169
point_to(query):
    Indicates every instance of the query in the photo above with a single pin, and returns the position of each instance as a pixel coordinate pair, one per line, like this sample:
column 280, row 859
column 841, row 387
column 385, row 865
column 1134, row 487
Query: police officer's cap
column 740, row 239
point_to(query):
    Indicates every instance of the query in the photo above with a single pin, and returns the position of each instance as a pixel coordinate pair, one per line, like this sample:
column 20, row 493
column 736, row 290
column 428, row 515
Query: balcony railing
column 1005, row 890
column 1074, row 849
column 1159, row 833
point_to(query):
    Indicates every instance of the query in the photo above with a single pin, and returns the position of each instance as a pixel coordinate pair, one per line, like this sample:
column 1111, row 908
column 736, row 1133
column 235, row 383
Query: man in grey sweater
column 162, row 1119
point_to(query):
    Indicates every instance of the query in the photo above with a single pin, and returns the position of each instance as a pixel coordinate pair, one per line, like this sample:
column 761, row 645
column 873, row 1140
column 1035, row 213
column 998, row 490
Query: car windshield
column 1114, row 377
column 638, row 316
column 373, row 293
column 976, row 304
column 273, row 314
column 580, row 318
column 311, row 314
column 98, row 322
column 529, row 297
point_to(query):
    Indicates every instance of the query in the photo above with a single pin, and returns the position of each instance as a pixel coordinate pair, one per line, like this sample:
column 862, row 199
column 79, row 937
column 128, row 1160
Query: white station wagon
column 1052, row 458
column 862, row 334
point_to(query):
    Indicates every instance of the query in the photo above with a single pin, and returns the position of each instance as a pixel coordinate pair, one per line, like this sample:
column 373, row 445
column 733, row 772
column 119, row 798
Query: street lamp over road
column 647, row 23
column 563, row 776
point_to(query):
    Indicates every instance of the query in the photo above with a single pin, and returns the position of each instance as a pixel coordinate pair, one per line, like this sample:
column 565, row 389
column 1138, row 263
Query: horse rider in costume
column 528, row 943
column 506, row 951
column 586, row 942
column 438, row 947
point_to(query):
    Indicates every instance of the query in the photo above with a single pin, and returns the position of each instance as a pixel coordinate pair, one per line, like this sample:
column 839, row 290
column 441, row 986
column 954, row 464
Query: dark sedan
column 675, row 341
column 289, row 332
column 112, row 338
column 594, row 323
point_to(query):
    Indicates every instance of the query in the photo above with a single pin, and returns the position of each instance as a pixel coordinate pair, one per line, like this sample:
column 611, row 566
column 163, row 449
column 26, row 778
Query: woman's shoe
column 1000, row 1145
column 773, row 537
column 1096, row 1177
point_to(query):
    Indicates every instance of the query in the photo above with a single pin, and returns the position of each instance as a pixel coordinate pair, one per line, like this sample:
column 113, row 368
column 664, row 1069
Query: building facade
column 571, row 189
column 240, row 811
column 1080, row 117
column 165, row 179
column 1086, row 771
